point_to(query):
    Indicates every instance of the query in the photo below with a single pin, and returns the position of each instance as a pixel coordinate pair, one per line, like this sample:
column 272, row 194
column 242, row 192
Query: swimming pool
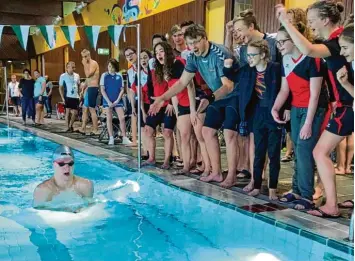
column 135, row 217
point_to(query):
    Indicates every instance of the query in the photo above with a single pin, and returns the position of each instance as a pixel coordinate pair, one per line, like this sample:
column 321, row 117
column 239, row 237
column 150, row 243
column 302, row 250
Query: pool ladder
column 351, row 228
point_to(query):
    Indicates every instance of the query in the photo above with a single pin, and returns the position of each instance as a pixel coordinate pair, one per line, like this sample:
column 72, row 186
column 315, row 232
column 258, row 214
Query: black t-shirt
column 27, row 87
column 334, row 63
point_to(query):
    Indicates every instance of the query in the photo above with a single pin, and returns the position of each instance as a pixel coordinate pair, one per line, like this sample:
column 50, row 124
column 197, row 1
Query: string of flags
column 48, row 31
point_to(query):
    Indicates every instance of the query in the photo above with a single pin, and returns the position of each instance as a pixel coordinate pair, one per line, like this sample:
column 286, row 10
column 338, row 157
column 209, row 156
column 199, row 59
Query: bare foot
column 205, row 174
column 148, row 162
column 212, row 177
column 318, row 193
column 348, row 170
column 229, row 182
column 339, row 171
column 249, row 187
column 254, row 192
column 272, row 194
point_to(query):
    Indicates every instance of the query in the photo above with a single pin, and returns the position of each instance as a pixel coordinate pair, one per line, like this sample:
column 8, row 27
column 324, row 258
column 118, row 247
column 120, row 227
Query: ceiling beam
column 26, row 7
column 22, row 19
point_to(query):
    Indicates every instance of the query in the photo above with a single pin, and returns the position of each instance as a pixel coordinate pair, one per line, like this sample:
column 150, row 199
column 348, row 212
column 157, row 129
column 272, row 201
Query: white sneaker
column 111, row 141
column 126, row 141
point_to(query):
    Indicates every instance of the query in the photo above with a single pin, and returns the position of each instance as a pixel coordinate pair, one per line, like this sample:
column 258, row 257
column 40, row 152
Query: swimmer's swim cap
column 63, row 152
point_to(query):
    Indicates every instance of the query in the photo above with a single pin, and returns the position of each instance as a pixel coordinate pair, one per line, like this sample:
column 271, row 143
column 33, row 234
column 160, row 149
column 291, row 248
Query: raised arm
column 302, row 43
column 90, row 69
column 228, row 42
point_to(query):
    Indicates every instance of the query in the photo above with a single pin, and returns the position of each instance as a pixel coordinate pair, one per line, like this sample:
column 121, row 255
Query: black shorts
column 16, row 101
column 161, row 117
column 342, row 123
column 223, row 113
column 183, row 110
column 72, row 103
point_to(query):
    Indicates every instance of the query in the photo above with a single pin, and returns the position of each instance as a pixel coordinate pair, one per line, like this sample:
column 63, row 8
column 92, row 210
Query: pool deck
column 326, row 231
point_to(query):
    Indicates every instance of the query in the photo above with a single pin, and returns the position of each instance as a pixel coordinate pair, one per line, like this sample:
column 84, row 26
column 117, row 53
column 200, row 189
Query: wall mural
column 125, row 11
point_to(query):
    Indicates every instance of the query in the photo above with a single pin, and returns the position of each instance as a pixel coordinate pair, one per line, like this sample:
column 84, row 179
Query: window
column 241, row 5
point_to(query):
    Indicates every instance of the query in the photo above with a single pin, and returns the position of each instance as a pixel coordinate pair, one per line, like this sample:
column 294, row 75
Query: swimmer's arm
column 41, row 195
column 90, row 69
column 86, row 189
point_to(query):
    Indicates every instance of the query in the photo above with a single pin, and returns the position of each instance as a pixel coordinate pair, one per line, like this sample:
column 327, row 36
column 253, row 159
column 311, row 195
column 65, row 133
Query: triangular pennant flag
column 115, row 32
column 21, row 32
column 69, row 33
column 92, row 32
column 48, row 34
column 1, row 29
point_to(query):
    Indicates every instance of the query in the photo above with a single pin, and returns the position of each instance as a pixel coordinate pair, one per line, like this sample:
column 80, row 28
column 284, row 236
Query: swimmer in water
column 63, row 180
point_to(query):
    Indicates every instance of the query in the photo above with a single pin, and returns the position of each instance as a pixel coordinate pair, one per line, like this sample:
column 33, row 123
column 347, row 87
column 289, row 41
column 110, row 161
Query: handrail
column 351, row 228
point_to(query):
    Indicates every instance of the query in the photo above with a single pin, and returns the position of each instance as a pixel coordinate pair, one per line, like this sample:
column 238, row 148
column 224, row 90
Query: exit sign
column 103, row 51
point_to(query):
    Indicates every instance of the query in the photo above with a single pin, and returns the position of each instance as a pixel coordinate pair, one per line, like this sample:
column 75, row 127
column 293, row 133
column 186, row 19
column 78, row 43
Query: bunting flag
column 21, row 32
column 48, row 34
column 115, row 32
column 1, row 29
column 92, row 32
column 69, row 33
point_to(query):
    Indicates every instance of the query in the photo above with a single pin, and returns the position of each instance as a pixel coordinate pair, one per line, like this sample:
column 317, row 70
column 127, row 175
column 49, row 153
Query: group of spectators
column 257, row 84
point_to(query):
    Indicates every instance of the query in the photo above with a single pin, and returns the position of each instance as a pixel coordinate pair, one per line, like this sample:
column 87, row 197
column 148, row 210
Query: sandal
column 289, row 197
column 348, row 206
column 179, row 165
column 304, row 203
column 322, row 214
column 244, row 174
column 286, row 159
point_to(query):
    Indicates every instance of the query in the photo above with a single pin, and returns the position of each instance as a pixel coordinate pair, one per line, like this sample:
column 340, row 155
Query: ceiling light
column 80, row 7
column 9, row 61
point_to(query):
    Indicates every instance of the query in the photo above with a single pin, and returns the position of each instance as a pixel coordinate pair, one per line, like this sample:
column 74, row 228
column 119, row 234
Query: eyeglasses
column 282, row 42
column 62, row 164
column 130, row 54
column 252, row 55
column 194, row 42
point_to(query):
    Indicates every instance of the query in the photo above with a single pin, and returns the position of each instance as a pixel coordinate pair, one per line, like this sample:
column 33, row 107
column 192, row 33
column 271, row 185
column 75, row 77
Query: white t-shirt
column 14, row 89
column 71, row 83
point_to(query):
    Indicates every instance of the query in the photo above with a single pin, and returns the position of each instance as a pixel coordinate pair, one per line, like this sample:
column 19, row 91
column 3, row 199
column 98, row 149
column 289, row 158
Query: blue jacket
column 246, row 79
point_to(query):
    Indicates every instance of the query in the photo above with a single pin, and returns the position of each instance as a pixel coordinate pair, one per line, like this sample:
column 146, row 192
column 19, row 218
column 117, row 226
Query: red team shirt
column 178, row 69
column 144, row 84
column 298, row 74
column 334, row 63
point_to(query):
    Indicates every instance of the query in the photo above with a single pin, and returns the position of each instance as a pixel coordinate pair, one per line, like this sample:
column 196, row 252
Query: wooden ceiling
column 33, row 12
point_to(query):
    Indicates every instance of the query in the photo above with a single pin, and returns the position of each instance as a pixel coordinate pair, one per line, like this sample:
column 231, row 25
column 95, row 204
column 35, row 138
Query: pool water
column 135, row 217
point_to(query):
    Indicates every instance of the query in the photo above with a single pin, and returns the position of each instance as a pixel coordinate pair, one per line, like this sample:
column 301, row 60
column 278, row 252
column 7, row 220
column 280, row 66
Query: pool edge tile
column 340, row 246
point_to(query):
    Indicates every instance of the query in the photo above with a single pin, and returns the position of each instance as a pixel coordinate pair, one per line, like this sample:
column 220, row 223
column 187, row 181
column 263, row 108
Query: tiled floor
column 345, row 184
column 326, row 232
